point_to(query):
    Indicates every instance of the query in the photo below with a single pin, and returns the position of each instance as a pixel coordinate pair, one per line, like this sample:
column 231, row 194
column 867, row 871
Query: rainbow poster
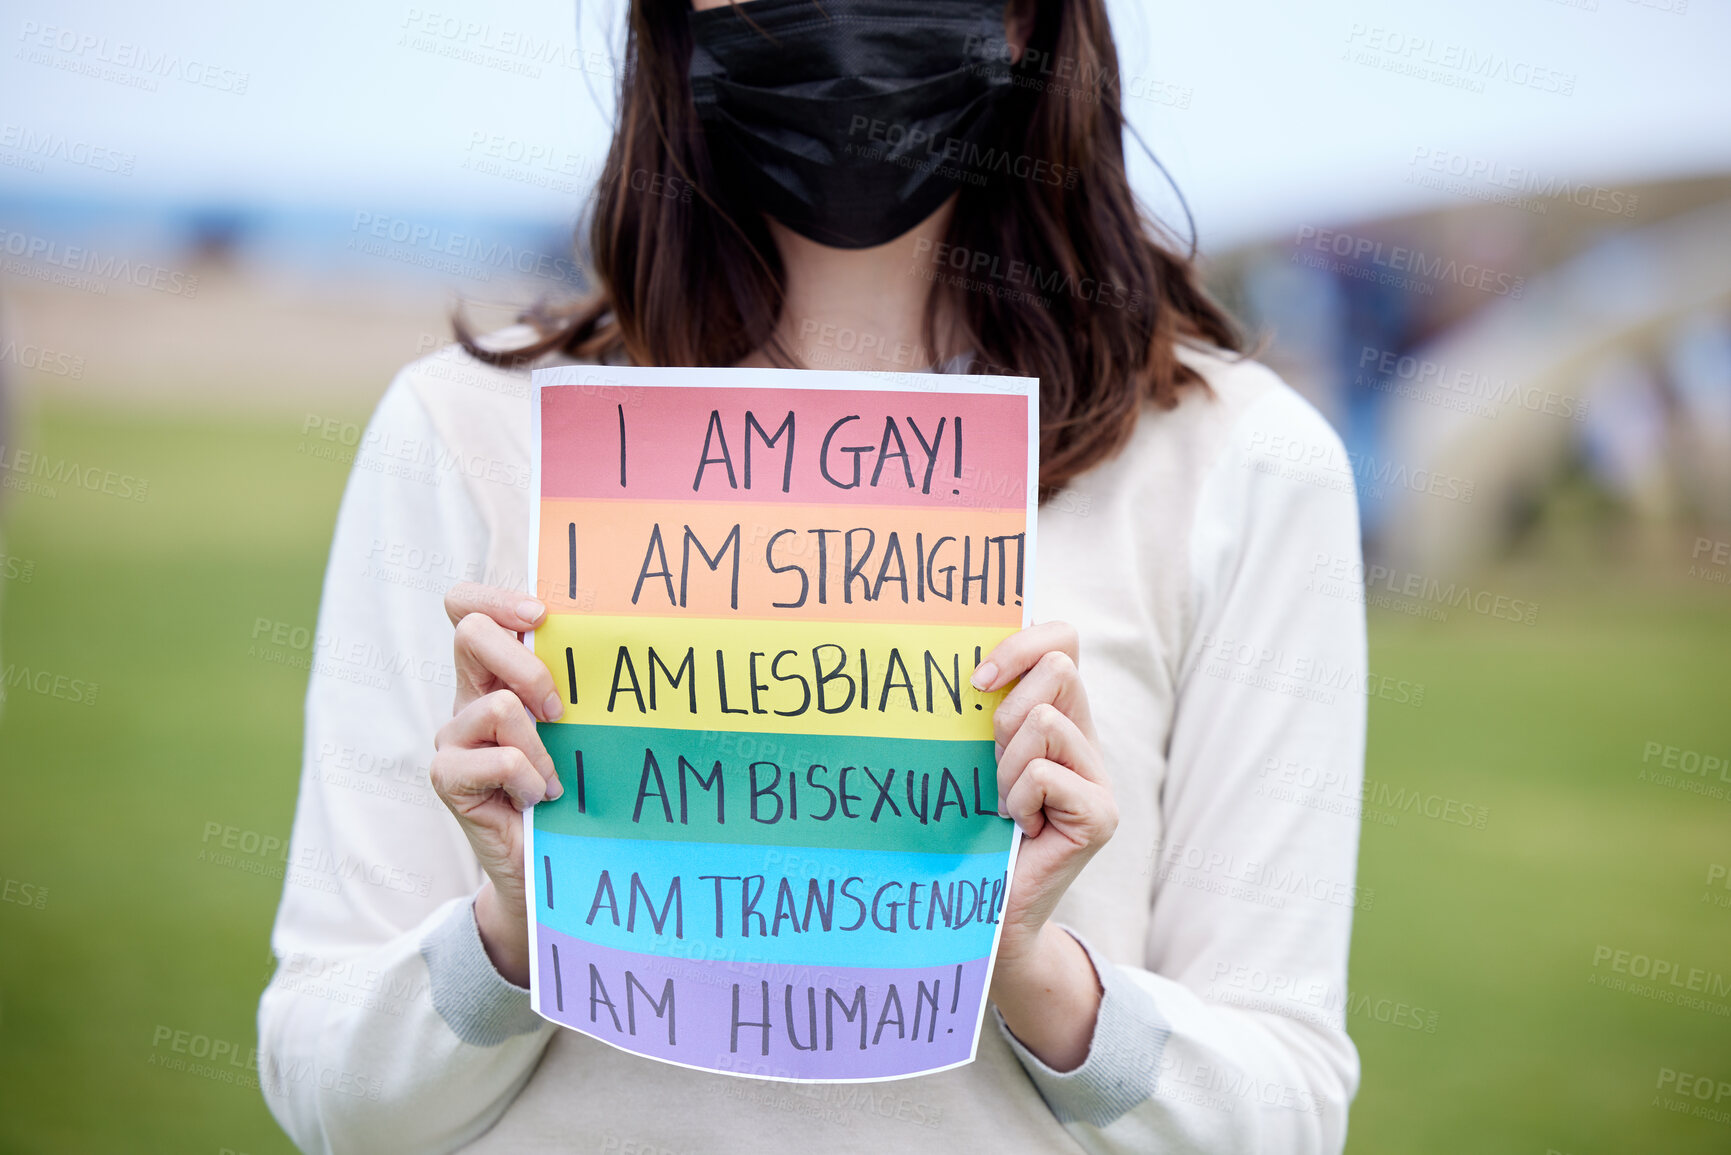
column 777, row 854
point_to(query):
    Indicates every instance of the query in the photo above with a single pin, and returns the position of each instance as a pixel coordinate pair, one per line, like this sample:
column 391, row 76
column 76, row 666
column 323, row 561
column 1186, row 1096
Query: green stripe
column 623, row 799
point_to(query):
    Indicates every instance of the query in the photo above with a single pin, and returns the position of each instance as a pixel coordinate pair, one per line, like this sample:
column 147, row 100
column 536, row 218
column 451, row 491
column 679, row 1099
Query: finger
column 499, row 720
column 1053, row 681
column 512, row 609
column 1047, row 794
column 1016, row 654
column 1047, row 733
column 488, row 654
column 466, row 778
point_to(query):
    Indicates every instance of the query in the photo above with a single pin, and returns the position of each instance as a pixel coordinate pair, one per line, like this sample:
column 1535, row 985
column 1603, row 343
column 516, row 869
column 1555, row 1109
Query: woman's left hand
column 1052, row 781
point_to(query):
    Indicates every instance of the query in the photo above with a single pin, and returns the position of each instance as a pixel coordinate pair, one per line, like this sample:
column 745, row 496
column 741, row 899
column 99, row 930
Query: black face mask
column 849, row 121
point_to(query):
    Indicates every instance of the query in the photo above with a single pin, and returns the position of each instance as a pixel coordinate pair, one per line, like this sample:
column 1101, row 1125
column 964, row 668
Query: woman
column 872, row 184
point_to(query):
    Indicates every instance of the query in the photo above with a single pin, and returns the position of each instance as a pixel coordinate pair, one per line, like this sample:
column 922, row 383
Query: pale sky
column 1269, row 113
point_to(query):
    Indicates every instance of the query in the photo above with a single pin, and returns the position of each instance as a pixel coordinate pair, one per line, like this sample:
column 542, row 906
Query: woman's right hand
column 489, row 764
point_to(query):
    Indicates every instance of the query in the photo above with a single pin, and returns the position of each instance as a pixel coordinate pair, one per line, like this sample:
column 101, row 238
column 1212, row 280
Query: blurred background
column 1490, row 240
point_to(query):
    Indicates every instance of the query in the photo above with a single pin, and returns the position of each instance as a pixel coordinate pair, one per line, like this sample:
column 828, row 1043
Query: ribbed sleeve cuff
column 480, row 1005
column 1123, row 1063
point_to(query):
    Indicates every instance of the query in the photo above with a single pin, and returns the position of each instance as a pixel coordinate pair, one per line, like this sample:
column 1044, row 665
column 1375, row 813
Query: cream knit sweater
column 1226, row 669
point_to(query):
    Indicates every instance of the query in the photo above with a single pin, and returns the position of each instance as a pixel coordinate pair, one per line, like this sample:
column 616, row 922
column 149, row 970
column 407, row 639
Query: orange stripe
column 620, row 565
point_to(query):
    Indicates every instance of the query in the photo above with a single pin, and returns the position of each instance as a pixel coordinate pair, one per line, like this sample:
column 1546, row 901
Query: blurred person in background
column 1153, row 990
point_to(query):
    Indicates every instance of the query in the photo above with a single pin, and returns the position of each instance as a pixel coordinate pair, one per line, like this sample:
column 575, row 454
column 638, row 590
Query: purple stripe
column 703, row 1032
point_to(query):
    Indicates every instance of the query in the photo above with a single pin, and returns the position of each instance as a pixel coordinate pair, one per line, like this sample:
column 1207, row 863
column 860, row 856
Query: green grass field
column 115, row 929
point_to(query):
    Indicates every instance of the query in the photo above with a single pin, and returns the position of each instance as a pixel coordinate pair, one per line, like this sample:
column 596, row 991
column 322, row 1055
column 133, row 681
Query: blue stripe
column 581, row 906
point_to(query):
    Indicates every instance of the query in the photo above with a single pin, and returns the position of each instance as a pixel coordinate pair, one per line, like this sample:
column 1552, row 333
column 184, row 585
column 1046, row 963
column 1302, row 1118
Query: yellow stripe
column 809, row 671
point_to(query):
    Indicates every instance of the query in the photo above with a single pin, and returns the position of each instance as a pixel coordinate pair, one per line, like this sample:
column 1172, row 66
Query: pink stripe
column 666, row 432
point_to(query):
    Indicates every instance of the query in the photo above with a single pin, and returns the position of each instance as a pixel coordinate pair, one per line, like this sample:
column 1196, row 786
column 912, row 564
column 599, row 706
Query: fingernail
column 553, row 708
column 554, row 788
column 984, row 675
column 530, row 610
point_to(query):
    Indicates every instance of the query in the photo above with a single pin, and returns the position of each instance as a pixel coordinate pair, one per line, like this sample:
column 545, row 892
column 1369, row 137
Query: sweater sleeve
column 385, row 1027
column 1232, row 1038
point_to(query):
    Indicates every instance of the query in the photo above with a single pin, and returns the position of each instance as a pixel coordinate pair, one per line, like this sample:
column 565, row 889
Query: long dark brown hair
column 682, row 277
